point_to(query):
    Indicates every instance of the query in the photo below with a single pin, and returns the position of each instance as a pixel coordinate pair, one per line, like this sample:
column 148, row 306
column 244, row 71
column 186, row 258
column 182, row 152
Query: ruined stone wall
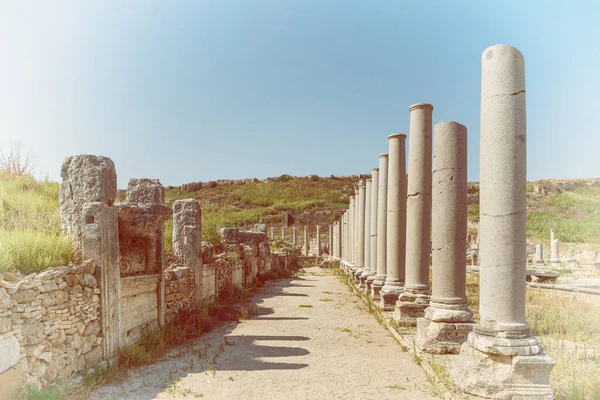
column 49, row 326
column 180, row 290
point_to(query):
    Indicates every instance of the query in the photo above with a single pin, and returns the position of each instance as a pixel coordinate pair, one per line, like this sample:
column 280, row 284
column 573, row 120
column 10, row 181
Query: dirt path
column 312, row 339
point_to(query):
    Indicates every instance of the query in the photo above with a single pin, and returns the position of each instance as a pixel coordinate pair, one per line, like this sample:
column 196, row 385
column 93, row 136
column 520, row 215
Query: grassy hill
column 30, row 236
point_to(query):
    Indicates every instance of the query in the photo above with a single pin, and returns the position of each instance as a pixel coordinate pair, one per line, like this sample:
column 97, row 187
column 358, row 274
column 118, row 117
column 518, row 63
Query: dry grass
column 30, row 226
column 570, row 331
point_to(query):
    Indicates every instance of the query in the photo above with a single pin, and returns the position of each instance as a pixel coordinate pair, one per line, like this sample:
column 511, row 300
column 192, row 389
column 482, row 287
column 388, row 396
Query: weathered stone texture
column 187, row 229
column 238, row 236
column 51, row 316
column 85, row 179
column 144, row 190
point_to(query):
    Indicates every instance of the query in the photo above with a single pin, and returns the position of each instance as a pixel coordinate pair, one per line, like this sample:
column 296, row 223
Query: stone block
column 147, row 191
column 85, row 179
column 239, row 236
column 10, row 349
column 503, row 377
column 442, row 337
column 93, row 357
column 33, row 332
column 187, row 232
column 388, row 301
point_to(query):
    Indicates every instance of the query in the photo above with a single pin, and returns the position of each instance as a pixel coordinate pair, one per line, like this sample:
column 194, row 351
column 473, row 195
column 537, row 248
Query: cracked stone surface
column 287, row 352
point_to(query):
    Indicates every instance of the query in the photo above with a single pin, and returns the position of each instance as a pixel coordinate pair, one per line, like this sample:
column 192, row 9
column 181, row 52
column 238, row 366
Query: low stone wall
column 49, row 326
column 139, row 307
column 220, row 274
column 210, row 284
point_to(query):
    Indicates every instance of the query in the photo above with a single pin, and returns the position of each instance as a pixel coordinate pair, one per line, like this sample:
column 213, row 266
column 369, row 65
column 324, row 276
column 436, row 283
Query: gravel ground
column 312, row 339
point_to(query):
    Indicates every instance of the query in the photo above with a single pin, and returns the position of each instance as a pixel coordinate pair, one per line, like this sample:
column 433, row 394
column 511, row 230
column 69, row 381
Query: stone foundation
column 503, row 377
column 387, row 301
column 410, row 306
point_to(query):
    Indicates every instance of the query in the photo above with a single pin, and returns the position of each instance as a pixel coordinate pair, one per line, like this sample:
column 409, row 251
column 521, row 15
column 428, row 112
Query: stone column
column 415, row 298
column 294, row 238
column 342, row 235
column 382, row 190
column 396, row 222
column 373, row 230
column 283, row 233
column 187, row 239
column 360, row 232
column 272, row 233
column 554, row 257
column 330, row 238
column 351, row 220
column 306, row 241
column 539, row 254
column 346, row 230
column 447, row 321
column 338, row 238
column 362, row 278
column 318, row 242
column 501, row 359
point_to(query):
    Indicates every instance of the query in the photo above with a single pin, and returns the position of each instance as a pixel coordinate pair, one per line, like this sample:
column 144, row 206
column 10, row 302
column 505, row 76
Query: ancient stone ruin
column 68, row 319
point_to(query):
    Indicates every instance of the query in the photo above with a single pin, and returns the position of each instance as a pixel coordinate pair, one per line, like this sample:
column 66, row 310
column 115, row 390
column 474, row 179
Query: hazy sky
column 200, row 90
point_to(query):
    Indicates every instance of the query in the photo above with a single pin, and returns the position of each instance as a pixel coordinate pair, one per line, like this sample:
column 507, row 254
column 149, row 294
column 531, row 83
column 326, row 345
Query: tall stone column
column 379, row 279
column 356, row 226
column 305, row 241
column 187, row 239
column 283, row 233
column 362, row 278
column 318, row 242
column 415, row 298
column 351, row 231
column 373, row 230
column 272, row 233
column 338, row 238
column 294, row 237
column 360, row 232
column 330, row 240
column 344, row 229
column 447, row 321
column 554, row 257
column 396, row 222
column 539, row 254
column 501, row 359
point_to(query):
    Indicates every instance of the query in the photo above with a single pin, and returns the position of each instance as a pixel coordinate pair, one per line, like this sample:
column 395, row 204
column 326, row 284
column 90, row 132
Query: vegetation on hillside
column 246, row 203
column 574, row 215
column 30, row 238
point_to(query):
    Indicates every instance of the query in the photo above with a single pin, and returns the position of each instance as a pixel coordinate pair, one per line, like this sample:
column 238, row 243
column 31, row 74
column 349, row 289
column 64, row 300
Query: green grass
column 574, row 215
column 30, row 226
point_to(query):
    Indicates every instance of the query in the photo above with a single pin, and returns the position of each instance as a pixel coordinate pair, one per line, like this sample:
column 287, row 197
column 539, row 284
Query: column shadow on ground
column 240, row 351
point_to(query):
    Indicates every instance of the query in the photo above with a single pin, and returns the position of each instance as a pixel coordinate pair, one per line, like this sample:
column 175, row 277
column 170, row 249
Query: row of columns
column 333, row 243
column 392, row 227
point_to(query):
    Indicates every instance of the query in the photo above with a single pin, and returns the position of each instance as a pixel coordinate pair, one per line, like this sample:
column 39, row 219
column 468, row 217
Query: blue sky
column 200, row 90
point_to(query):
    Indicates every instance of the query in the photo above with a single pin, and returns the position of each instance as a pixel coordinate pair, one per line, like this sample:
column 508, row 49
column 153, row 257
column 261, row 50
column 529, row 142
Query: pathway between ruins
column 312, row 339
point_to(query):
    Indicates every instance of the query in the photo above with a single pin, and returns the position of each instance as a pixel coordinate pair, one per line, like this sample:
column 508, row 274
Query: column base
column 555, row 262
column 363, row 280
column 442, row 337
column 375, row 291
column 388, row 296
column 503, row 377
column 411, row 305
column 369, row 284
